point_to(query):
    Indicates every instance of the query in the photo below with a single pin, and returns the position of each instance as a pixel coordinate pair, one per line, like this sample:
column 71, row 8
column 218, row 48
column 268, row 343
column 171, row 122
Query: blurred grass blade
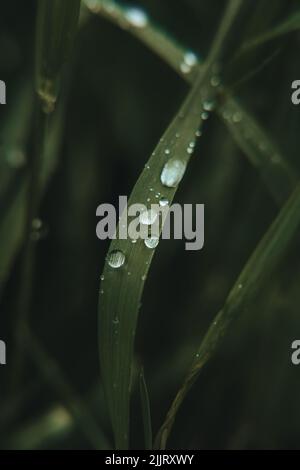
column 262, row 152
column 51, row 372
column 251, row 280
column 146, row 411
column 56, row 27
column 274, row 170
column 291, row 24
column 121, row 289
column 14, row 138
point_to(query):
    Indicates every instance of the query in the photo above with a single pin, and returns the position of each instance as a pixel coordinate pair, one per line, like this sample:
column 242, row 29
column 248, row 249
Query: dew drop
column 167, row 151
column 148, row 217
column 215, row 81
column 163, row 202
column 116, row 259
column 185, row 68
column 209, row 105
column 190, row 59
column 237, row 117
column 136, row 17
column 152, row 242
column 16, row 158
column 102, row 277
column 172, row 173
column 204, row 115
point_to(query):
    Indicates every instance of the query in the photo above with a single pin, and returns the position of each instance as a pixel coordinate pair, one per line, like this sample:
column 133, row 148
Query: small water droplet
column 198, row 134
column 172, row 173
column 116, row 259
column 163, row 202
column 116, row 321
column 209, row 105
column 148, row 217
column 167, row 151
column 152, row 242
column 237, row 117
column 134, row 240
column 16, row 158
column 136, row 17
column 204, row 115
column 240, row 286
column 185, row 68
column 215, row 81
column 37, row 230
column 144, row 277
column 190, row 59
column 102, row 277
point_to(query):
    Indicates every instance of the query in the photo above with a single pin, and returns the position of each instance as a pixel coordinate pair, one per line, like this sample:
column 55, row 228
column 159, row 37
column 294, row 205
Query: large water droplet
column 136, row 17
column 148, row 217
column 172, row 173
column 152, row 242
column 116, row 259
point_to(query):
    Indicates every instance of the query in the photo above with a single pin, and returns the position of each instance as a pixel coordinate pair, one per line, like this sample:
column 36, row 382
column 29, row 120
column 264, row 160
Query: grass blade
column 56, row 27
column 121, row 289
column 251, row 280
column 274, row 169
column 146, row 411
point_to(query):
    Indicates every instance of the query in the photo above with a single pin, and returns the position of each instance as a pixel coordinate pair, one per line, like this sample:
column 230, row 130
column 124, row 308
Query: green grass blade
column 121, row 289
column 291, row 24
column 251, row 280
column 54, row 376
column 274, row 169
column 146, row 413
column 56, row 28
column 279, row 178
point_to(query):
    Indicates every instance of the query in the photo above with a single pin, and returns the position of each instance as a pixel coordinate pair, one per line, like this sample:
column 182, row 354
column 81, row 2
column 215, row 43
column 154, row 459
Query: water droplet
column 148, row 217
column 204, row 115
column 209, row 105
column 237, row 117
column 198, row 134
column 102, row 277
column 136, row 17
column 190, row 150
column 172, row 173
column 240, row 286
column 16, row 158
column 134, row 240
column 144, row 277
column 215, row 81
column 116, row 259
column 190, row 59
column 163, row 202
column 152, row 242
column 37, row 230
column 167, row 151
column 185, row 68
column 116, row 321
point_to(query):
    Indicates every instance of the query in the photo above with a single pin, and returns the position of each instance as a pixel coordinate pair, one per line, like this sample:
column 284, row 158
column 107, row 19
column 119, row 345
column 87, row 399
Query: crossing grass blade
column 146, row 413
column 121, row 289
column 289, row 25
column 274, row 169
column 267, row 255
column 56, row 28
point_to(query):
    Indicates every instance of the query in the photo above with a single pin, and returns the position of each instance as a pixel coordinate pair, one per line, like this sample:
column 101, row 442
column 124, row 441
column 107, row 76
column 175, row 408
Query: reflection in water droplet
column 172, row 173
column 116, row 259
